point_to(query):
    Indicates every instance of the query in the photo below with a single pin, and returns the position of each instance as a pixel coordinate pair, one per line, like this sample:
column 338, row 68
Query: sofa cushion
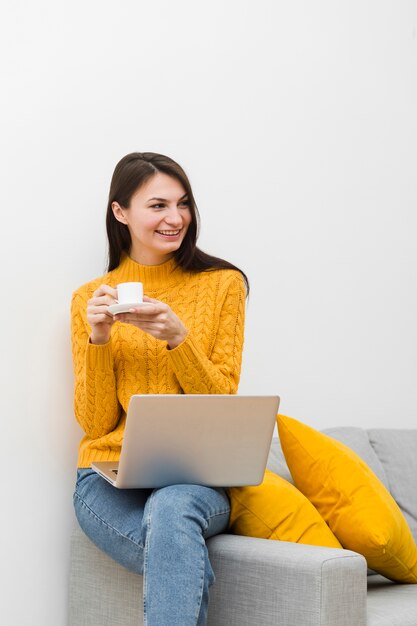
column 397, row 453
column 357, row 439
column 276, row 461
column 277, row 510
column 352, row 500
column 390, row 604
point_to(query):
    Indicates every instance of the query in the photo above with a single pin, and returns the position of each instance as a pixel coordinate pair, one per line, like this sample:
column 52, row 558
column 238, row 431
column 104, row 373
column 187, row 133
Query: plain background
column 297, row 124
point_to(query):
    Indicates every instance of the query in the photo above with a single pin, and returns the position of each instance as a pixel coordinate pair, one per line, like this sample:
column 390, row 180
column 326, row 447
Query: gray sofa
column 273, row 583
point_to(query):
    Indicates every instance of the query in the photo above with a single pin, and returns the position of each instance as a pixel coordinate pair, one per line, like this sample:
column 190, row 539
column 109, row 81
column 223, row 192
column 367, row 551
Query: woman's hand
column 159, row 320
column 99, row 319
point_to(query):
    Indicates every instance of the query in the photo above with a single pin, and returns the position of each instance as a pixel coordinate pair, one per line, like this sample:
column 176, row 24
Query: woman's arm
column 95, row 399
column 197, row 372
column 220, row 371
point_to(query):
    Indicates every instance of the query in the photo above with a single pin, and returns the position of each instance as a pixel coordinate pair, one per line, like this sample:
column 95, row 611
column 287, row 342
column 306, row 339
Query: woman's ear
column 118, row 213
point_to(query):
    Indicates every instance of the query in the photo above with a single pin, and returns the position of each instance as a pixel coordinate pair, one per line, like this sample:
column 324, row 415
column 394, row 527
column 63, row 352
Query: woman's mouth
column 169, row 234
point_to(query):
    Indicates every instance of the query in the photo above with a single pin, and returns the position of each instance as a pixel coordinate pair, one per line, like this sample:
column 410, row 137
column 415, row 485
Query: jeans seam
column 201, row 590
column 106, row 524
column 145, row 556
column 210, row 517
column 226, row 511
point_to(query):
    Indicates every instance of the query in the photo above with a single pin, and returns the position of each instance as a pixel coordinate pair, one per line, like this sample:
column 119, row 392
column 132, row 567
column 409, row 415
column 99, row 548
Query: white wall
column 297, row 123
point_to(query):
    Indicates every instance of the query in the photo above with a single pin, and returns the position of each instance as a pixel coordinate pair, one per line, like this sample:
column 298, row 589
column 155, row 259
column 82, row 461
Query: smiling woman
column 189, row 339
column 157, row 218
column 131, row 174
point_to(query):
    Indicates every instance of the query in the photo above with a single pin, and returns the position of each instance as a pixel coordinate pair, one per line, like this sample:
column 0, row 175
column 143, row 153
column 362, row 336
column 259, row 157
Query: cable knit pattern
column 210, row 304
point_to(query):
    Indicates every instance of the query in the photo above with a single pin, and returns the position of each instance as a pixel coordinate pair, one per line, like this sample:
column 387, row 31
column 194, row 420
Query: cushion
column 397, row 452
column 351, row 499
column 277, row 510
column 357, row 440
column 276, row 461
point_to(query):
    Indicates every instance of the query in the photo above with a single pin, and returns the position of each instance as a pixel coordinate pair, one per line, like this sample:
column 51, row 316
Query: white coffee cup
column 130, row 293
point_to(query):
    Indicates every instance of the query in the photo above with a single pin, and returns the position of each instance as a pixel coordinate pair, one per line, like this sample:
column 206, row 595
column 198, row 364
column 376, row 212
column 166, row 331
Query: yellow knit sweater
column 212, row 307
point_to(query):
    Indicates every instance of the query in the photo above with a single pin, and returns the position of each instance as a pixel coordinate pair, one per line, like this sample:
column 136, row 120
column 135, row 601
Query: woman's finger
column 98, row 310
column 104, row 290
column 101, row 300
column 142, row 312
column 98, row 318
column 152, row 300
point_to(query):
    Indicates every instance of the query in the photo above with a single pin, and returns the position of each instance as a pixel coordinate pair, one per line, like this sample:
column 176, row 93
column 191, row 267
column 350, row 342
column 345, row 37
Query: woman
column 189, row 340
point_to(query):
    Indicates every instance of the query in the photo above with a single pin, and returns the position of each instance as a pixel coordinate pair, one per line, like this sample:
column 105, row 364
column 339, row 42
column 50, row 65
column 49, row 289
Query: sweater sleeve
column 220, row 372
column 95, row 399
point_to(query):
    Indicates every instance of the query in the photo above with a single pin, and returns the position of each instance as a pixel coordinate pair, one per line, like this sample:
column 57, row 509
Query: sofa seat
column 391, row 604
column 258, row 583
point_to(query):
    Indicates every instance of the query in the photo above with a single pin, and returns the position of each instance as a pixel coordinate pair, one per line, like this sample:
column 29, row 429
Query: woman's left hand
column 159, row 320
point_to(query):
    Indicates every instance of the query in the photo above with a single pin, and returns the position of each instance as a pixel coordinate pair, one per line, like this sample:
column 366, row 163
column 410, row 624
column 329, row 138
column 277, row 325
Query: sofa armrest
column 276, row 583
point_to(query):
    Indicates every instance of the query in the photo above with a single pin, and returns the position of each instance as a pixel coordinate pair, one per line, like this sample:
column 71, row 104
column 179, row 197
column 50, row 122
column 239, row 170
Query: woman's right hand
column 99, row 319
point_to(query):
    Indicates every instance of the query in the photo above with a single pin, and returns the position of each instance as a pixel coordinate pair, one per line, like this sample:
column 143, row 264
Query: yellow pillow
column 352, row 500
column 277, row 510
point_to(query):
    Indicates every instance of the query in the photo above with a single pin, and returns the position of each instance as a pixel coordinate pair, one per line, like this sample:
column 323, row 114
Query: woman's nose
column 174, row 217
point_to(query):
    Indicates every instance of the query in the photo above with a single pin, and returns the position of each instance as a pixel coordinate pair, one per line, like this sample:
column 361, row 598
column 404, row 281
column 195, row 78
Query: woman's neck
column 149, row 257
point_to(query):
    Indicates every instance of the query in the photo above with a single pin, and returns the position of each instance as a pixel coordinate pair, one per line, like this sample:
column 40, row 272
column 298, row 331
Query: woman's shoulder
column 225, row 279
column 85, row 291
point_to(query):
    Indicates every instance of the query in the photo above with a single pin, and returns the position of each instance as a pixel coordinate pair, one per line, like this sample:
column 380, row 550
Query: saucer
column 125, row 307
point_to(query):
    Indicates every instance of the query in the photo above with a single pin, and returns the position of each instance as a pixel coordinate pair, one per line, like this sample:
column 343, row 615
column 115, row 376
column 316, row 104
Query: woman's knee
column 193, row 504
column 112, row 520
column 122, row 548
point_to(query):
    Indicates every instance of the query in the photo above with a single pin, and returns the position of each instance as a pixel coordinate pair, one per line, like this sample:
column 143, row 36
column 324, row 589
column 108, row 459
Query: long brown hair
column 131, row 172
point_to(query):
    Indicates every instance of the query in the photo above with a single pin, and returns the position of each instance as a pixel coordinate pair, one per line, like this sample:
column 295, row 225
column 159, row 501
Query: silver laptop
column 213, row 440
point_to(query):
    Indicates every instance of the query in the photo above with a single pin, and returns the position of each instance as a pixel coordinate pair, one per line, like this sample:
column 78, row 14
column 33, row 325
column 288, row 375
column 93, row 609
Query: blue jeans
column 161, row 534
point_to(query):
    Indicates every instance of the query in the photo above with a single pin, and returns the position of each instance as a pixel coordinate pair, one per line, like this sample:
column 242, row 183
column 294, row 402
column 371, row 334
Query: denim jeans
column 160, row 534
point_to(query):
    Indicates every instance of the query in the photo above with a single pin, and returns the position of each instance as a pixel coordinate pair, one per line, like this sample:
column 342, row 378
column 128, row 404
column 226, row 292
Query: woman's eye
column 158, row 207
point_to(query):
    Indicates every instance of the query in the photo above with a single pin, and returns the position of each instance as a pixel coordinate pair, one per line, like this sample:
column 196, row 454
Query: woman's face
column 157, row 219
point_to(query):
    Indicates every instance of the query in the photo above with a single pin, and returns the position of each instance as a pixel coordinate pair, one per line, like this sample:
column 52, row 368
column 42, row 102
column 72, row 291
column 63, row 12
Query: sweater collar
column 150, row 275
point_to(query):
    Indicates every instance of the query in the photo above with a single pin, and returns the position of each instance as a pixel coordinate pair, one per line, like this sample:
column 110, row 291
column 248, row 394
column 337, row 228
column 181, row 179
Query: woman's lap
column 114, row 518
